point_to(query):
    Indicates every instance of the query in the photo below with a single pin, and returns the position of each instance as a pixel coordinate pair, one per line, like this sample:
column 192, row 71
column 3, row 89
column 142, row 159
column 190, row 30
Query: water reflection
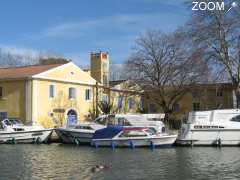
column 70, row 162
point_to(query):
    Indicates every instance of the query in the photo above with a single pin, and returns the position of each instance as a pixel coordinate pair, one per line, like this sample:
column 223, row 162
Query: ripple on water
column 70, row 162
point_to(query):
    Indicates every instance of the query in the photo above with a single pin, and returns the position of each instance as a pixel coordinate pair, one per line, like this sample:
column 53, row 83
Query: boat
column 13, row 131
column 120, row 136
column 78, row 134
column 216, row 127
column 82, row 133
column 153, row 121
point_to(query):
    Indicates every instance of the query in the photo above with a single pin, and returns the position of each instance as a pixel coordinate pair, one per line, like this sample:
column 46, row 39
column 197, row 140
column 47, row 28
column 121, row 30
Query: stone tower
column 100, row 67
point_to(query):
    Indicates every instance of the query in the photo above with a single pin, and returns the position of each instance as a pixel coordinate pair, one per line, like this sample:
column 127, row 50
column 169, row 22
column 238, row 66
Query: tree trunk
column 237, row 94
column 167, row 118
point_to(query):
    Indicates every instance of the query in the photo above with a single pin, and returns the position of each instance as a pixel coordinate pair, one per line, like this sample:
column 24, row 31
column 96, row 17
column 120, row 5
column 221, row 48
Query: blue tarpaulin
column 107, row 133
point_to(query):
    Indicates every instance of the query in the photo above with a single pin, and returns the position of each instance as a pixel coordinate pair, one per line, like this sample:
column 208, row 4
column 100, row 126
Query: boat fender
column 219, row 142
column 132, row 145
column 94, row 143
column 113, row 144
column 37, row 140
column 13, row 141
column 152, row 145
column 76, row 141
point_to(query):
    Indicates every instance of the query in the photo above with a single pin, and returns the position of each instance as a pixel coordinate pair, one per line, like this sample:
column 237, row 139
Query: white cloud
column 124, row 22
column 26, row 53
column 21, row 51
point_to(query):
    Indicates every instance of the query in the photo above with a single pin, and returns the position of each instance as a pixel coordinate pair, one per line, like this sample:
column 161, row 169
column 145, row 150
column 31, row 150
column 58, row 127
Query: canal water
column 56, row 161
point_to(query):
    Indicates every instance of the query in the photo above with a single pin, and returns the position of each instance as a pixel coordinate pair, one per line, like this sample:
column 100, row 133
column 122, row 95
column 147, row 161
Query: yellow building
column 200, row 97
column 56, row 94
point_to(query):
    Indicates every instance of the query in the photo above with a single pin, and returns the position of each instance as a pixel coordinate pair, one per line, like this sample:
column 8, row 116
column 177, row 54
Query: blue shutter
column 140, row 104
column 119, row 102
column 130, row 102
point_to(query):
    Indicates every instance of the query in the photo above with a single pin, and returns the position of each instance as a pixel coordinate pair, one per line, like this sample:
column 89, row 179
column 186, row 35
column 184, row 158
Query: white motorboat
column 12, row 131
column 140, row 120
column 217, row 127
column 78, row 134
column 119, row 136
column 82, row 133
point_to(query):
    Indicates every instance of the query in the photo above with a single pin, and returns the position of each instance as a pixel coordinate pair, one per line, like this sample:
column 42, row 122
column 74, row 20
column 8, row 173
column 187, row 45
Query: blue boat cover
column 107, row 133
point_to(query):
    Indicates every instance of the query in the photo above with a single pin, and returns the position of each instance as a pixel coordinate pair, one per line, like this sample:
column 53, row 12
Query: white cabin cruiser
column 12, row 131
column 140, row 120
column 119, row 136
column 217, row 127
column 78, row 134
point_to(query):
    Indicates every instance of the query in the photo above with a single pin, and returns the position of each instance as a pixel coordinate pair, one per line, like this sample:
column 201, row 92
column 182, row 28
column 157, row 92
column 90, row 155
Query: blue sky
column 74, row 28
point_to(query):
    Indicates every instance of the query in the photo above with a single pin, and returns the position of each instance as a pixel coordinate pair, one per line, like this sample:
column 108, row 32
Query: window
column 176, row 107
column 72, row 93
column 105, row 79
column 219, row 94
column 88, row 94
column 1, row 92
column 195, row 94
column 130, row 102
column 51, row 91
column 133, row 134
column 196, row 106
column 119, row 102
column 3, row 115
column 236, row 118
column 152, row 108
column 105, row 98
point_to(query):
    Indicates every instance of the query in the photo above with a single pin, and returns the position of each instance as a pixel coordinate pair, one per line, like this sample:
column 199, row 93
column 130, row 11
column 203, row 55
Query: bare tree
column 164, row 67
column 217, row 32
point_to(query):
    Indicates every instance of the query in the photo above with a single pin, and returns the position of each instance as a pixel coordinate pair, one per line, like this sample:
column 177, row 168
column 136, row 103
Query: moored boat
column 217, row 127
column 82, row 133
column 12, row 131
column 78, row 134
column 119, row 136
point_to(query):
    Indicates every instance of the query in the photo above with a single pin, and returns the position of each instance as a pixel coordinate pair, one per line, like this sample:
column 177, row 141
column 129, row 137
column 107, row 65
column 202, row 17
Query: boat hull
column 68, row 136
column 136, row 142
column 35, row 136
column 209, row 137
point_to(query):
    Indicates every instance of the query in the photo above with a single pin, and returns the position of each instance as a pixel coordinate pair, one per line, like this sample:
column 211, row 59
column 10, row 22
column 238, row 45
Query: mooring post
column 219, row 141
column 192, row 144
column 113, row 145
column 132, row 146
column 152, row 145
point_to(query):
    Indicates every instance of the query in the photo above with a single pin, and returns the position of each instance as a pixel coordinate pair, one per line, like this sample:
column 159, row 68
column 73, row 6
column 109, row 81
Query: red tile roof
column 25, row 71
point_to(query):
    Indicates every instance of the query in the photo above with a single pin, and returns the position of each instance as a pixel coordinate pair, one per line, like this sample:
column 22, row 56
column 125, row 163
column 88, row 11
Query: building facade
column 200, row 97
column 57, row 94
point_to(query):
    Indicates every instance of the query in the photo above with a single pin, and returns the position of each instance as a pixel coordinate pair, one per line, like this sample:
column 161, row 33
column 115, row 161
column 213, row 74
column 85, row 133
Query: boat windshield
column 6, row 122
column 151, row 131
column 133, row 134
column 101, row 120
column 236, row 118
column 14, row 121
